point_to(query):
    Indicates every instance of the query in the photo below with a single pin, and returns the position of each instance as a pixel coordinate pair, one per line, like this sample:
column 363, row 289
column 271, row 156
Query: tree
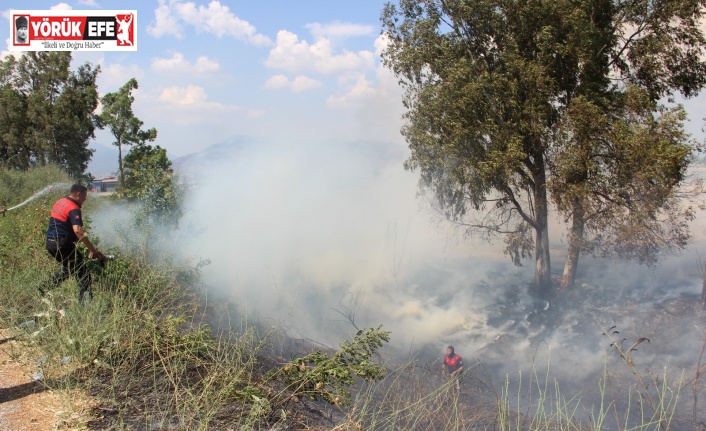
column 13, row 121
column 496, row 91
column 47, row 111
column 150, row 179
column 617, row 180
column 117, row 115
column 76, row 122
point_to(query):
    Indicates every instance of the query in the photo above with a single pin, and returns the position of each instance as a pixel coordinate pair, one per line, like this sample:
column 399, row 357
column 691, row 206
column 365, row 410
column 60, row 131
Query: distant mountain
column 192, row 165
column 104, row 161
column 373, row 154
column 105, row 157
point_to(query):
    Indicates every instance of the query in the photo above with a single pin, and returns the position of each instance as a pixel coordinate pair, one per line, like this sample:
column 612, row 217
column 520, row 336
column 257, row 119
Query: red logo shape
column 126, row 30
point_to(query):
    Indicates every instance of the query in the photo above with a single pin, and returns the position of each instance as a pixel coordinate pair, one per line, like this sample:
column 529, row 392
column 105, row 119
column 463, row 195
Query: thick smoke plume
column 323, row 235
column 296, row 228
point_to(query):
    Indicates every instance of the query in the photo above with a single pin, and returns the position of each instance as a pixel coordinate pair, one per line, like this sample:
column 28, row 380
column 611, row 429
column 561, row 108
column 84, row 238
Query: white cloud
column 381, row 43
column 91, row 3
column 165, row 23
column 114, row 76
column 303, row 83
column 190, row 105
column 298, row 84
column 191, row 95
column 61, row 6
column 276, row 82
column 215, row 18
column 358, row 90
column 339, row 29
column 294, row 55
column 177, row 64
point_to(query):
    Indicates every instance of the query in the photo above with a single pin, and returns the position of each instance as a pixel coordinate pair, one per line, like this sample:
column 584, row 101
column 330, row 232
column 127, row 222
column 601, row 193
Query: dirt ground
column 27, row 404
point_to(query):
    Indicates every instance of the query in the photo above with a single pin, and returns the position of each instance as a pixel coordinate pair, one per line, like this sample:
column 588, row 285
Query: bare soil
column 28, row 404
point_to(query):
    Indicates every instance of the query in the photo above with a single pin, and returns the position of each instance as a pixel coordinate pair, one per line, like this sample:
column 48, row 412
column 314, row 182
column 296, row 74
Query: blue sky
column 304, row 70
column 273, row 69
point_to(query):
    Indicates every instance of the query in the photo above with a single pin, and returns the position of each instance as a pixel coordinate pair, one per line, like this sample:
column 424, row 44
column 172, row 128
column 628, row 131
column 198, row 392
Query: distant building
column 104, row 184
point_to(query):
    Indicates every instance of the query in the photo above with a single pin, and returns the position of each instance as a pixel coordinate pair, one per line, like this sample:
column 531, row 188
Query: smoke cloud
column 315, row 234
column 299, row 227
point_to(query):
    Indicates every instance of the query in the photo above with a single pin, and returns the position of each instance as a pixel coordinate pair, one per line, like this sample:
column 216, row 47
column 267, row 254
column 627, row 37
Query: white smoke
column 294, row 227
column 305, row 232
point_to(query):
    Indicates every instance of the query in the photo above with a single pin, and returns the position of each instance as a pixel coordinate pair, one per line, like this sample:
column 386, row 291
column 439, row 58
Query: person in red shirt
column 452, row 367
column 64, row 231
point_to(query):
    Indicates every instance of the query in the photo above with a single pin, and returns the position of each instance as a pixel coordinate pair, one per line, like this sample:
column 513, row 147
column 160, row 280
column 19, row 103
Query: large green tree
column 500, row 96
column 47, row 111
column 118, row 116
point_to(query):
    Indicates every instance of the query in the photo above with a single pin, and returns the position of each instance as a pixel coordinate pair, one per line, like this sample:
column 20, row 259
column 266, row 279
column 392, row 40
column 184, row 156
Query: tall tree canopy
column 117, row 115
column 514, row 103
column 47, row 111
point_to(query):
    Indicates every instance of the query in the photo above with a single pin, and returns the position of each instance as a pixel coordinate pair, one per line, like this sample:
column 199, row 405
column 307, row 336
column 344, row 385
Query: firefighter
column 452, row 368
column 64, row 231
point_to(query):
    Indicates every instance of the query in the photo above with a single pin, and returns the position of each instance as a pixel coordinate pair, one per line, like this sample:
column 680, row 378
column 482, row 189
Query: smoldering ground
column 318, row 236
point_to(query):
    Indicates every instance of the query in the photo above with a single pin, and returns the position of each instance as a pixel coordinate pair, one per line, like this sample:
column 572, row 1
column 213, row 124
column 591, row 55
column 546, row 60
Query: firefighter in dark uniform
column 64, row 231
column 452, row 367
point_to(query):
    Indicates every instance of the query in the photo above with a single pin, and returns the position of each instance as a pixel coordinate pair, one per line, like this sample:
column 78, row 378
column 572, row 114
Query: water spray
column 40, row 193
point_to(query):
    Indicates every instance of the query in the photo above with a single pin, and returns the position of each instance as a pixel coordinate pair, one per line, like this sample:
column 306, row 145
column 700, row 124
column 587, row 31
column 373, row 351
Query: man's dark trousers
column 72, row 262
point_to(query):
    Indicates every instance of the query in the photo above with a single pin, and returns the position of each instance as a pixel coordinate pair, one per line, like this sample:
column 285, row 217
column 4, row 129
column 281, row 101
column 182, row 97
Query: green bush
column 330, row 377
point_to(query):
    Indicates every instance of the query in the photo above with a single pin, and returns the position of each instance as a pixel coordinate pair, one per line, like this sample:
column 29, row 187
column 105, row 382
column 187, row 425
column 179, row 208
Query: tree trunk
column 120, row 166
column 575, row 243
column 542, row 271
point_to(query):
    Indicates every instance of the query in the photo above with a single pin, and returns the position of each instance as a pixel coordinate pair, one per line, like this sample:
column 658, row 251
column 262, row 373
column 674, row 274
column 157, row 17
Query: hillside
column 104, row 161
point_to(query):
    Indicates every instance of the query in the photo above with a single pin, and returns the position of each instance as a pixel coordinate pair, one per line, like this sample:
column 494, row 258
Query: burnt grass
column 147, row 401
